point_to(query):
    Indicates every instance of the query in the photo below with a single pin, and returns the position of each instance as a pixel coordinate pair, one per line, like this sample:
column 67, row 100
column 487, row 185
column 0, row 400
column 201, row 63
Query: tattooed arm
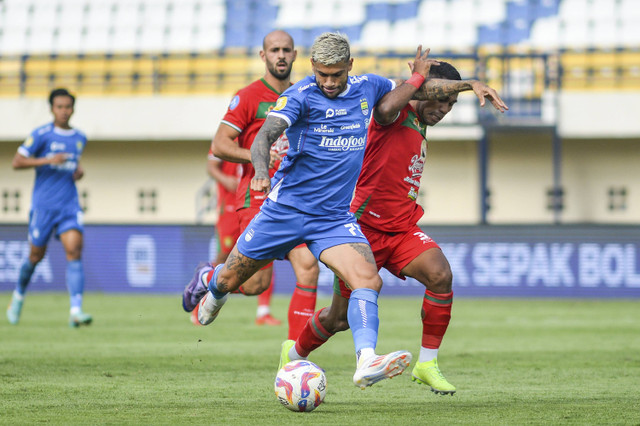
column 437, row 88
column 260, row 156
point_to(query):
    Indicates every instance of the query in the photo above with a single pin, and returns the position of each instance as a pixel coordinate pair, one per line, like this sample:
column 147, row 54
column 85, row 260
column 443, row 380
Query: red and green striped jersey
column 386, row 192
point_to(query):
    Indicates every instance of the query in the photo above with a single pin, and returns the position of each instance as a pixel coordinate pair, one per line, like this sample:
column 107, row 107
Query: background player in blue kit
column 54, row 150
column 326, row 116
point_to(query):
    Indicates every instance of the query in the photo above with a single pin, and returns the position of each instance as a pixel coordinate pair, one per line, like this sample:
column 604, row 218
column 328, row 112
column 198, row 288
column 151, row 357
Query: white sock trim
column 427, row 354
column 262, row 310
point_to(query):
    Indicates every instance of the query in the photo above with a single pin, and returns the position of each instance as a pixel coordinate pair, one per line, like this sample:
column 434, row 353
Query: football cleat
column 284, row 353
column 428, row 373
column 15, row 308
column 209, row 308
column 197, row 287
column 380, row 367
column 76, row 320
column 267, row 320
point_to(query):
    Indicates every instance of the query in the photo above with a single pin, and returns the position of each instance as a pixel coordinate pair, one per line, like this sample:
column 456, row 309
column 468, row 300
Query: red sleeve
column 241, row 111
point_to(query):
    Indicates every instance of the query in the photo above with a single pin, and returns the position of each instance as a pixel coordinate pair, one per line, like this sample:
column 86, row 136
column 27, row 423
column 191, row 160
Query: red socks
column 301, row 308
column 436, row 314
column 312, row 336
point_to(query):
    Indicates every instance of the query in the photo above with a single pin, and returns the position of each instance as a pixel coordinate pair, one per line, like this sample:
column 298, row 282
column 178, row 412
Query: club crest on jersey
column 364, row 106
column 234, row 102
column 281, row 103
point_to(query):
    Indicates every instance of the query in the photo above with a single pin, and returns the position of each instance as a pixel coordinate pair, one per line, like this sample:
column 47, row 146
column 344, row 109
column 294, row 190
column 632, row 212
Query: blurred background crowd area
column 98, row 47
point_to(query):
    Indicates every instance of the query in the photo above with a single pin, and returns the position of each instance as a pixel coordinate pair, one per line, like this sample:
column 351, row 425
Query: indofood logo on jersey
column 343, row 144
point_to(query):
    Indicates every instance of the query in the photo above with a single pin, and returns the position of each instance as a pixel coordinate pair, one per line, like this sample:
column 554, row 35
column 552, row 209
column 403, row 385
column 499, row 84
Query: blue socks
column 26, row 271
column 362, row 315
column 75, row 283
column 213, row 283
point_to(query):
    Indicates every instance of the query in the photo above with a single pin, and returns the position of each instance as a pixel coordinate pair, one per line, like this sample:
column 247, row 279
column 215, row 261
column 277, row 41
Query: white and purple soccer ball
column 301, row 385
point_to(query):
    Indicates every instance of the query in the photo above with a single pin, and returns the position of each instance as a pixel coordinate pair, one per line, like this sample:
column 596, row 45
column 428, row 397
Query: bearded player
column 246, row 114
column 386, row 208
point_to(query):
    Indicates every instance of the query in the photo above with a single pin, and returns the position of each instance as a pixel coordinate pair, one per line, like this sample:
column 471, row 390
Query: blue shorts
column 42, row 223
column 277, row 229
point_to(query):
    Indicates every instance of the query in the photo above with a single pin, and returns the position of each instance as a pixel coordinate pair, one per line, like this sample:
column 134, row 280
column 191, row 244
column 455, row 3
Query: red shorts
column 245, row 215
column 228, row 229
column 392, row 251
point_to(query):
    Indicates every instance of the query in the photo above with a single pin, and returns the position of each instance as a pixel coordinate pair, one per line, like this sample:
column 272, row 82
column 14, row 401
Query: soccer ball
column 301, row 385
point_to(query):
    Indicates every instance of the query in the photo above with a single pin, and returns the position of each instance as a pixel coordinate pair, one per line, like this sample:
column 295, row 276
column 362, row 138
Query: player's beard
column 280, row 75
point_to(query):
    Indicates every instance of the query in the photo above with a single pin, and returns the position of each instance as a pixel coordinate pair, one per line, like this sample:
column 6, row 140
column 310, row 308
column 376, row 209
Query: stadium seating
column 161, row 31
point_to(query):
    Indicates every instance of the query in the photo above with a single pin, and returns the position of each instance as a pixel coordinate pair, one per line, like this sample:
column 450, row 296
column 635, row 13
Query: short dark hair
column 61, row 92
column 445, row 70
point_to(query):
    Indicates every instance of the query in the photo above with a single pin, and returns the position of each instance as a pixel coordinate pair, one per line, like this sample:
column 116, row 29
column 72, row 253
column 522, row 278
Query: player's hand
column 483, row 92
column 422, row 64
column 78, row 173
column 261, row 184
column 59, row 158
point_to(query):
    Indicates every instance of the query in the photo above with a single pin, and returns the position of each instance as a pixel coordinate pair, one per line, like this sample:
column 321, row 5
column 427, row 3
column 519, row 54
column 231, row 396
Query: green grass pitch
column 514, row 361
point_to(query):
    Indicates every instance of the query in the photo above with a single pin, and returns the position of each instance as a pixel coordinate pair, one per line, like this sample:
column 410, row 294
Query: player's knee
column 439, row 281
column 373, row 282
column 308, row 274
column 254, row 290
column 74, row 254
column 258, row 283
column 34, row 259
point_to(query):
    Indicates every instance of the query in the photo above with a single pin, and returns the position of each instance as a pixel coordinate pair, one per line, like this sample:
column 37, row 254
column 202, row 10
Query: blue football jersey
column 54, row 187
column 327, row 138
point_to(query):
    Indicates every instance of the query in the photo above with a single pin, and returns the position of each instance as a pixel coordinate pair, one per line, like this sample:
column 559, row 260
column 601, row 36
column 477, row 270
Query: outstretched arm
column 260, row 151
column 389, row 106
column 437, row 88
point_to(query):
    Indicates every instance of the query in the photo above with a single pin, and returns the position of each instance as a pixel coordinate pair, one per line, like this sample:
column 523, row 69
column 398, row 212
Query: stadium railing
column 518, row 75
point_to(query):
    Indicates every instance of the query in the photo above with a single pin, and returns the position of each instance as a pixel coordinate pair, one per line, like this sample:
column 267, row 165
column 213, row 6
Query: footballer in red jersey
column 227, row 175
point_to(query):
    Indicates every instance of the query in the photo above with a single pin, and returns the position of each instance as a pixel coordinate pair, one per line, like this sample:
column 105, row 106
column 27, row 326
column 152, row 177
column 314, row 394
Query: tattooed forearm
column 365, row 251
column 268, row 134
column 436, row 88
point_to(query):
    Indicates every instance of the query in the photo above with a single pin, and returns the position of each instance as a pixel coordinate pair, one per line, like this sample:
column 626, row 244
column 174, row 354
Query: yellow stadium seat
column 10, row 69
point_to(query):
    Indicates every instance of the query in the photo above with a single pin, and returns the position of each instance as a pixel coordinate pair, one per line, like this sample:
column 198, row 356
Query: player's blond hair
column 330, row 49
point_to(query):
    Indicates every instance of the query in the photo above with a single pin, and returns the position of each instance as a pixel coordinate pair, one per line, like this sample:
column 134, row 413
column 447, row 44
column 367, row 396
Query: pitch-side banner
column 536, row 261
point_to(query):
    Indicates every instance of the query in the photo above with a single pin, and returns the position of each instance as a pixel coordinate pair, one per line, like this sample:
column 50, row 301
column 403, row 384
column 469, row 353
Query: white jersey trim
column 273, row 195
column 63, row 132
column 284, row 117
column 233, row 126
column 23, row 151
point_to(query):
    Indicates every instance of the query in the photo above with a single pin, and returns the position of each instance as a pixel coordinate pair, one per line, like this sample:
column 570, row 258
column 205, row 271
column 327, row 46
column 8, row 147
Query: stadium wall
column 145, row 163
column 496, row 261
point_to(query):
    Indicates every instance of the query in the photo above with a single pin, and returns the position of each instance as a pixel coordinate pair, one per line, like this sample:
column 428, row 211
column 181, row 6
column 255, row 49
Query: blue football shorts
column 42, row 223
column 278, row 228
